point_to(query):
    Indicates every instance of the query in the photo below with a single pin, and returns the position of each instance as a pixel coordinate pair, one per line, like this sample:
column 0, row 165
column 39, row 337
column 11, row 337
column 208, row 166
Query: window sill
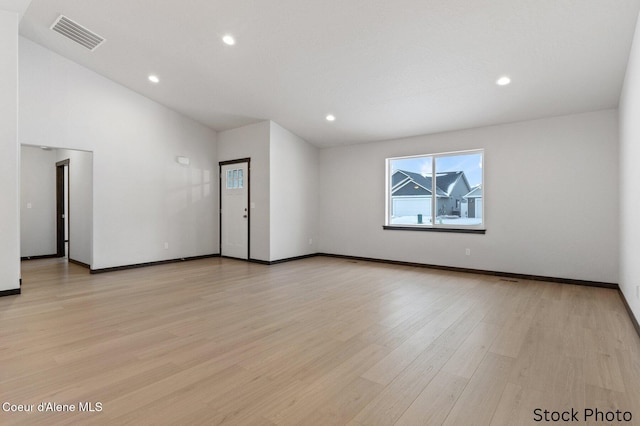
column 434, row 229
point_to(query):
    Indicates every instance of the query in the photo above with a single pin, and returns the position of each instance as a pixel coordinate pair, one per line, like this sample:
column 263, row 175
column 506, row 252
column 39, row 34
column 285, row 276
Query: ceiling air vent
column 77, row 33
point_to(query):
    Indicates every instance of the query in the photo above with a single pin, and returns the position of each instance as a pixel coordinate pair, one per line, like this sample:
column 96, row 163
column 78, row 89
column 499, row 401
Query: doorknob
column 245, row 216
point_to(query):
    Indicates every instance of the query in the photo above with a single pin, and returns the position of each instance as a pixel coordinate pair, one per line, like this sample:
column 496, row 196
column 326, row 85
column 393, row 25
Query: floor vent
column 76, row 32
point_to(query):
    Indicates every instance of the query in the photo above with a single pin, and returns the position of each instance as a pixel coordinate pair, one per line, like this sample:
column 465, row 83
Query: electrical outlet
column 166, row 246
column 467, row 252
column 310, row 241
column 638, row 291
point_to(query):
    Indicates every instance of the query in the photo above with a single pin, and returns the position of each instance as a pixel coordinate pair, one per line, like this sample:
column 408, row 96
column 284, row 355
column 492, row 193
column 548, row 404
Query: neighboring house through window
column 455, row 178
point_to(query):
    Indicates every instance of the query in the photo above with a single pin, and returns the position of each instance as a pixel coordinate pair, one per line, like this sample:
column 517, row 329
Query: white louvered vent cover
column 77, row 33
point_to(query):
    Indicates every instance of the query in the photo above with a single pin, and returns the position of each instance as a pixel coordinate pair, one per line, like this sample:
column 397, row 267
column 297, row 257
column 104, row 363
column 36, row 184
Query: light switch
column 253, row 205
column 28, row 205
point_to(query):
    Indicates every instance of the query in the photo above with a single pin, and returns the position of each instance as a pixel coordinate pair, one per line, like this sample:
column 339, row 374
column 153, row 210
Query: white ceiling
column 18, row 6
column 385, row 68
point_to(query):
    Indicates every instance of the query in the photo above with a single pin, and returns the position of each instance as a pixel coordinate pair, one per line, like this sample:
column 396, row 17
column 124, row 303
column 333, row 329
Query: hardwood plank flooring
column 318, row 341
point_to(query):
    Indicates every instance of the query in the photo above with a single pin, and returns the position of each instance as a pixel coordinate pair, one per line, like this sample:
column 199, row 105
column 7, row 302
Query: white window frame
column 431, row 223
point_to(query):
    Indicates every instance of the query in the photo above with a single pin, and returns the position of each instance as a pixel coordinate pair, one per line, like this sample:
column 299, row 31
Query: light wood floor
column 319, row 341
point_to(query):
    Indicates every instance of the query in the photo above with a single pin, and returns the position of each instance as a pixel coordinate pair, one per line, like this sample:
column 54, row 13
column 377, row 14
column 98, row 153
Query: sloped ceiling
column 385, row 69
column 18, row 6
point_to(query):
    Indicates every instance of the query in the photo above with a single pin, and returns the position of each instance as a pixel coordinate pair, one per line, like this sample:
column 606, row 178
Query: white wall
column 142, row 197
column 80, row 211
column 16, row 6
column 252, row 142
column 541, row 178
column 294, row 194
column 10, row 153
column 37, row 202
column 630, row 180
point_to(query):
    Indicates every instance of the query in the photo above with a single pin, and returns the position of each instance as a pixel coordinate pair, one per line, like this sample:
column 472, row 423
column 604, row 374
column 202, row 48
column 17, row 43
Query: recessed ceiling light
column 229, row 40
column 503, row 81
column 331, row 117
column 154, row 79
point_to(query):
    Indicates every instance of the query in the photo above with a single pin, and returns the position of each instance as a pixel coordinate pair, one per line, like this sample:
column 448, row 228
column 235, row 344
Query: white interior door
column 234, row 206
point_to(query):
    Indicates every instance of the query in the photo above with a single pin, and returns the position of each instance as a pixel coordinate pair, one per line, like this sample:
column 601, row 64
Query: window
column 456, row 179
column 235, row 179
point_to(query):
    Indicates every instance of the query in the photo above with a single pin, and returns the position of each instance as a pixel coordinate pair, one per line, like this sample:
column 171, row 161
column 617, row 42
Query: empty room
column 320, row 212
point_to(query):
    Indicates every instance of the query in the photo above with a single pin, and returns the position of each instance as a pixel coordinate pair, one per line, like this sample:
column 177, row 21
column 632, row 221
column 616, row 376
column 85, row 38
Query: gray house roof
column 474, row 193
column 410, row 183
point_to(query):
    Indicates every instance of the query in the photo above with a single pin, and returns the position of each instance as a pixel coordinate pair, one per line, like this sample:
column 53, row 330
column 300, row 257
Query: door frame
column 61, row 194
column 248, row 181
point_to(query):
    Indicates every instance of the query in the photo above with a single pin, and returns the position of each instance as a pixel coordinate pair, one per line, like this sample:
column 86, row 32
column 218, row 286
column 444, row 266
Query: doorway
column 62, row 207
column 56, row 212
column 472, row 207
column 234, row 208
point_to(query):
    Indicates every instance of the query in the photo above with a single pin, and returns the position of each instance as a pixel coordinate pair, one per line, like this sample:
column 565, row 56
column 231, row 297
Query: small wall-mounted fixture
column 183, row 160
